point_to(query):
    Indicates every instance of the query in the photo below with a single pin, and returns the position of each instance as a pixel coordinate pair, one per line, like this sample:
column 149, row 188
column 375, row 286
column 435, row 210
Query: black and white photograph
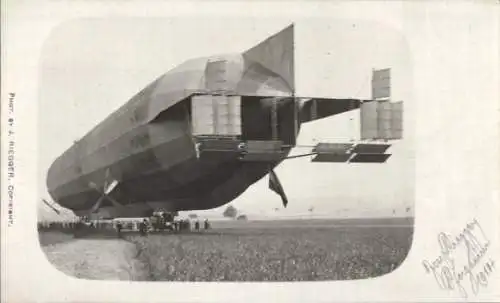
column 249, row 151
column 270, row 155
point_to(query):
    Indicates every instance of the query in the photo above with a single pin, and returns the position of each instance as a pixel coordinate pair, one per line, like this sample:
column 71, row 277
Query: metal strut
column 274, row 119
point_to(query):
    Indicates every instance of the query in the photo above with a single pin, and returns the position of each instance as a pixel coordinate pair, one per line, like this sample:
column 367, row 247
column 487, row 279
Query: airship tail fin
column 276, row 53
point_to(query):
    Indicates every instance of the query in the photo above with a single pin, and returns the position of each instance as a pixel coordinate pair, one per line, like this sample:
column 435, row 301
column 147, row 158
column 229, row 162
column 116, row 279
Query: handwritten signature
column 447, row 269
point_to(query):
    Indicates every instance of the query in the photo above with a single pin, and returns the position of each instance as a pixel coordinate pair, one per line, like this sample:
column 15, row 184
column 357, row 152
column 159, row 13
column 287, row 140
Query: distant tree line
column 232, row 212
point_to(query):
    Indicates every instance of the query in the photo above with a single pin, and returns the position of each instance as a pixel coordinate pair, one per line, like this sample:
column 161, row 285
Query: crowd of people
column 64, row 225
column 181, row 225
column 144, row 227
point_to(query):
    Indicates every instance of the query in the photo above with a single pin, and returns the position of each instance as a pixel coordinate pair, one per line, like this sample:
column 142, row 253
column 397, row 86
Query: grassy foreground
column 252, row 252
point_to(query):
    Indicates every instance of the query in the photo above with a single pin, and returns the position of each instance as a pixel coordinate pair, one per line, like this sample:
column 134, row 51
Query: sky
column 90, row 67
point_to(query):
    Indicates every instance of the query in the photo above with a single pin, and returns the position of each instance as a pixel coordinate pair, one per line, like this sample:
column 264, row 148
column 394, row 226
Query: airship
column 201, row 134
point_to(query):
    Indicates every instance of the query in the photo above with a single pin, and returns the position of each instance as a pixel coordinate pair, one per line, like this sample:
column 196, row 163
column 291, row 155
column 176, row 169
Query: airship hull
column 147, row 148
column 168, row 172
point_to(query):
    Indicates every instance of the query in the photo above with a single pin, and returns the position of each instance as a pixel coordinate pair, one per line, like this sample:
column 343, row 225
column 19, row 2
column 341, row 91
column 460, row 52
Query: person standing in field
column 143, row 228
column 197, row 225
column 119, row 228
column 207, row 225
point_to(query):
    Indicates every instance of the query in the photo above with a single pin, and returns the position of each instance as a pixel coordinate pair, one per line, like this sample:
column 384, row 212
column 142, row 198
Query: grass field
column 53, row 237
column 291, row 250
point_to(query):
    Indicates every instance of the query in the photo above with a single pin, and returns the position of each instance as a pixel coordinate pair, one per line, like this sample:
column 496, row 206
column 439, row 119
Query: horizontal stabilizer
column 333, row 148
column 364, row 148
column 337, row 158
column 370, row 158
